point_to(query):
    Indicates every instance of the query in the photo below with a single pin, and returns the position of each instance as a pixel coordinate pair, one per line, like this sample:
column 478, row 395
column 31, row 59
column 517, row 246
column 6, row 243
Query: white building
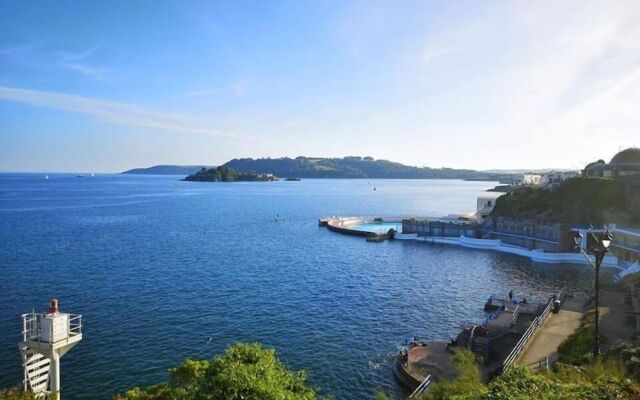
column 486, row 203
column 531, row 179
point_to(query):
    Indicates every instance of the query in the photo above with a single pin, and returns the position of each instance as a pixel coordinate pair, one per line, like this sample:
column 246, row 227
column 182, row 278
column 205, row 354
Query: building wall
column 439, row 228
column 552, row 238
column 626, row 245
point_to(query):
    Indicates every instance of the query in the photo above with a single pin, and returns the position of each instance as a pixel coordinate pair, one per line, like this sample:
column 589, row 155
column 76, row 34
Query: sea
column 163, row 270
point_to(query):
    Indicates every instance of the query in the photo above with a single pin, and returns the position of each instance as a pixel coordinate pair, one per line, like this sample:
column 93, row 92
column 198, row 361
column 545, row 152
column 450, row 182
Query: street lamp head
column 606, row 239
column 577, row 239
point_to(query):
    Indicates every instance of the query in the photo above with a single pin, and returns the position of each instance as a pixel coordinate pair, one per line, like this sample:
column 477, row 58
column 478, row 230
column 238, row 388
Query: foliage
column 225, row 174
column 601, row 379
column 630, row 155
column 520, row 383
column 629, row 279
column 468, row 379
column 577, row 348
column 353, row 167
column 593, row 201
column 245, row 371
column 15, row 394
column 629, row 356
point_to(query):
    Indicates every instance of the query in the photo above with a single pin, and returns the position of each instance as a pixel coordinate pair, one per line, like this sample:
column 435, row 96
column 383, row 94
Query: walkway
column 554, row 331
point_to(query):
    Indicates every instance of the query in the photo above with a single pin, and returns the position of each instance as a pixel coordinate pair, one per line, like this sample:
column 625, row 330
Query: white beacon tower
column 45, row 338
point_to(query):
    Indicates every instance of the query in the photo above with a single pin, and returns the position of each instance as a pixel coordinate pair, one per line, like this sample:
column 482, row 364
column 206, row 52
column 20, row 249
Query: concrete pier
column 554, row 331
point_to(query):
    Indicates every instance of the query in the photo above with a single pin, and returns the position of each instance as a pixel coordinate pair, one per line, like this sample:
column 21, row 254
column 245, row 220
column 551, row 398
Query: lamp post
column 598, row 251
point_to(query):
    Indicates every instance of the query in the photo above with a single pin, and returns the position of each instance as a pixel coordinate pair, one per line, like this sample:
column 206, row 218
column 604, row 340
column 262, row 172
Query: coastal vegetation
column 227, row 174
column 355, row 167
column 605, row 378
column 594, row 201
column 244, row 371
column 16, row 394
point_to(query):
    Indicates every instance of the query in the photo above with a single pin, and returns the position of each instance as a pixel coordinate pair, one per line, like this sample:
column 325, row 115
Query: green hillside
column 593, row 201
column 355, row 167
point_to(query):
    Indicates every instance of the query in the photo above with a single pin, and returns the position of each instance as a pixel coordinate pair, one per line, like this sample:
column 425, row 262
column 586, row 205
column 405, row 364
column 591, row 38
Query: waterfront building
column 534, row 235
column 531, row 179
column 625, row 163
column 485, row 204
column 626, row 245
column 441, row 227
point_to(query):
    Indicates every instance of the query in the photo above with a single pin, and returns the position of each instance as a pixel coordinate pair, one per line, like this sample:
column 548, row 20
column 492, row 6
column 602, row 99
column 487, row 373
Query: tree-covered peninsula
column 227, row 174
column 356, row 167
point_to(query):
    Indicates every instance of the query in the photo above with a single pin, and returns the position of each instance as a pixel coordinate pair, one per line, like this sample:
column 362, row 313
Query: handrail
column 525, row 337
column 32, row 328
column 516, row 313
column 493, row 315
column 422, row 387
column 537, row 365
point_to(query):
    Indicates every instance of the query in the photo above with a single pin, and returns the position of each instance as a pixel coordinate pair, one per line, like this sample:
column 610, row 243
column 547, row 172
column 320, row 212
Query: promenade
column 554, row 331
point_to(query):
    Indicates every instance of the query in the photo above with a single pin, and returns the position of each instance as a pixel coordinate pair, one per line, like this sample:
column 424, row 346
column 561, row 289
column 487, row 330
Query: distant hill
column 356, row 167
column 167, row 170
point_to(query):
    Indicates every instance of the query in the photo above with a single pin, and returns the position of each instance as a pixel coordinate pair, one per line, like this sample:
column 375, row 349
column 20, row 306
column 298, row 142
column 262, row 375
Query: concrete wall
column 438, row 228
column 552, row 238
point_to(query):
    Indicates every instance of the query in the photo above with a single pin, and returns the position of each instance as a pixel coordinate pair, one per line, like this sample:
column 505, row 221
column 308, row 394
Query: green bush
column 245, row 371
column 468, row 379
column 577, row 349
column 15, row 394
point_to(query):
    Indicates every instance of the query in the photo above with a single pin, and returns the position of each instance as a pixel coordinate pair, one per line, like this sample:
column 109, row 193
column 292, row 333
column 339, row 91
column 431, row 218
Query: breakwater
column 455, row 231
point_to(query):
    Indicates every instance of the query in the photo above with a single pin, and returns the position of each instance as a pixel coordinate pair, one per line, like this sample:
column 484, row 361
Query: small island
column 227, row 174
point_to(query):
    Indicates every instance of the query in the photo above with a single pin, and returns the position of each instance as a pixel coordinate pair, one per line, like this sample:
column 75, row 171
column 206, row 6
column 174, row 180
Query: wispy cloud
column 38, row 57
column 119, row 113
column 238, row 89
column 78, row 62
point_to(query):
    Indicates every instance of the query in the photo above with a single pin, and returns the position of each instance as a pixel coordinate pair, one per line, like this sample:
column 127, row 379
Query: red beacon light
column 54, row 306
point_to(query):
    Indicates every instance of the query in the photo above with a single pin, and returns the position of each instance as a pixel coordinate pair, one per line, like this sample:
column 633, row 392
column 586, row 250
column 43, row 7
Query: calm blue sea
column 159, row 267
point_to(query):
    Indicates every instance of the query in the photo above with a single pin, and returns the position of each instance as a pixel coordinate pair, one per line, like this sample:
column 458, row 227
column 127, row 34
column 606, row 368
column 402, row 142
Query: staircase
column 36, row 371
column 480, row 346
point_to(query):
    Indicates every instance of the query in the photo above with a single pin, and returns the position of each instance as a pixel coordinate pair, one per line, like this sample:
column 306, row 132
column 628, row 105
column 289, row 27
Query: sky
column 104, row 86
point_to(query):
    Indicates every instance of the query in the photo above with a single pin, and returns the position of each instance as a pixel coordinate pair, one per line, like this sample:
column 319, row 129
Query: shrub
column 468, row 380
column 245, row 371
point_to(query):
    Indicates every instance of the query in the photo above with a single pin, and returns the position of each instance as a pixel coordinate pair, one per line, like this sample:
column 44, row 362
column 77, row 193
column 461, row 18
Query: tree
column 245, row 371
column 15, row 394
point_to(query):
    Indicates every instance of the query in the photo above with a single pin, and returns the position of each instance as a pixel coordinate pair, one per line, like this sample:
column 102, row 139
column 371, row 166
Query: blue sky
column 106, row 86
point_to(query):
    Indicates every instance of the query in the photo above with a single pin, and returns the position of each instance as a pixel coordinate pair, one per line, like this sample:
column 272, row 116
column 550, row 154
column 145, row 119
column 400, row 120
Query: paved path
column 555, row 329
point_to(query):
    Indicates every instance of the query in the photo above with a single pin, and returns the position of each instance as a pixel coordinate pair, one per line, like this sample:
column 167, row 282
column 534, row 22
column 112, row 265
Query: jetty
column 497, row 342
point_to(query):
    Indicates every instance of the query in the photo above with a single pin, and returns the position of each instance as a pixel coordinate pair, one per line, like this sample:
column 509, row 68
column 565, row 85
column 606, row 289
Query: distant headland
column 167, row 170
column 346, row 167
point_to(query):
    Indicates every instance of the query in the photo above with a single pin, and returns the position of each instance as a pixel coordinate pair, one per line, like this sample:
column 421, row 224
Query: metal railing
column 422, row 387
column 516, row 313
column 543, row 363
column 526, row 336
column 32, row 326
column 493, row 315
column 75, row 324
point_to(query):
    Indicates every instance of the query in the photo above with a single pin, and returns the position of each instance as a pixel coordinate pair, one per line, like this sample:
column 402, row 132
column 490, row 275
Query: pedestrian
column 510, row 295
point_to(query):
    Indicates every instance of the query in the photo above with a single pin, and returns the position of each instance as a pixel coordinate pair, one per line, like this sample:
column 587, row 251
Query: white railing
column 75, row 324
column 422, row 387
column 526, row 336
column 516, row 313
column 32, row 326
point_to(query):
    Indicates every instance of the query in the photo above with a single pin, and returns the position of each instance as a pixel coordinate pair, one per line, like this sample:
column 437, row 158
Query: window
column 489, row 203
